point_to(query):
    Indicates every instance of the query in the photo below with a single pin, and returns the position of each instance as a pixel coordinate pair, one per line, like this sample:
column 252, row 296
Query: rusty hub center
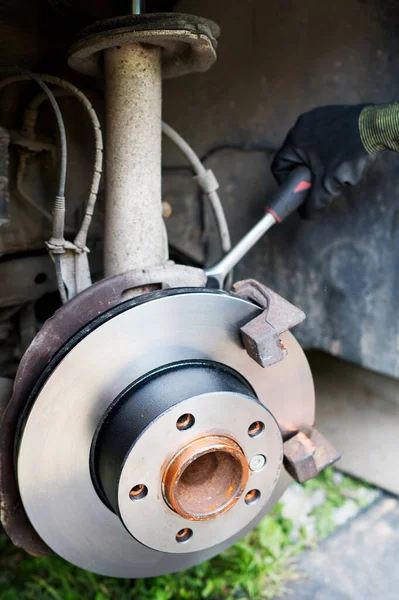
column 205, row 478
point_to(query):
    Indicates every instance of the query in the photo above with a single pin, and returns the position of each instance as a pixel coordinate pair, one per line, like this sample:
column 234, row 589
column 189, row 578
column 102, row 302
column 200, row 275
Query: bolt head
column 166, row 209
column 257, row 462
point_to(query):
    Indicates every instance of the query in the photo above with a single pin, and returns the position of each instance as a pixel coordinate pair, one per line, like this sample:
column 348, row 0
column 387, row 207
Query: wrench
column 289, row 197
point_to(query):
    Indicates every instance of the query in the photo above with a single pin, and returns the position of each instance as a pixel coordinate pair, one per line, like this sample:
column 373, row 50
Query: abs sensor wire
column 23, row 75
column 57, row 238
column 31, row 113
column 195, row 162
column 30, row 120
column 207, row 182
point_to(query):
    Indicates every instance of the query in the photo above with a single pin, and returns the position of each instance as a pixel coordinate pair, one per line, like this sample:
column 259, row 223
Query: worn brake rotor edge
column 69, row 319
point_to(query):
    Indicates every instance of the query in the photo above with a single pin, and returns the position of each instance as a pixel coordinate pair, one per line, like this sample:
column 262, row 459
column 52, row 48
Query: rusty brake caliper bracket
column 261, row 336
column 308, row 452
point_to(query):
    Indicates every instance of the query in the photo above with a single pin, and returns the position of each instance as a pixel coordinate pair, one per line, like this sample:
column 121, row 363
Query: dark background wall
column 275, row 60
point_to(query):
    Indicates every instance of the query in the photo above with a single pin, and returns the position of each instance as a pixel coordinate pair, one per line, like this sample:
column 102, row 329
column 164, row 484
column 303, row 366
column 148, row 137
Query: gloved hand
column 338, row 144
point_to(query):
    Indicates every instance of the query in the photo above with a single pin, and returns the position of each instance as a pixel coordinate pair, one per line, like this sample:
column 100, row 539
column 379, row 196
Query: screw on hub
column 257, row 462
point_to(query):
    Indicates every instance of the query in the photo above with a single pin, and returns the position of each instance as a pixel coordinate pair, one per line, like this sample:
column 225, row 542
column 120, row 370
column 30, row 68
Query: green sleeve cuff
column 379, row 127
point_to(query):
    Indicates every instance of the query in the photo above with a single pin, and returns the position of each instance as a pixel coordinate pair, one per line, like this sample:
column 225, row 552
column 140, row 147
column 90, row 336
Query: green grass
column 256, row 568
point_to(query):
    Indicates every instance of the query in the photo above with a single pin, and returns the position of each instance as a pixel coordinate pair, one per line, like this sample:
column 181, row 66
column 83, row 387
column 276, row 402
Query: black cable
column 245, row 147
column 238, row 147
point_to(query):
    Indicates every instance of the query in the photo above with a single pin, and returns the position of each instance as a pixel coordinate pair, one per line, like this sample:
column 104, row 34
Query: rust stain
column 136, row 491
column 182, row 533
column 251, row 496
column 255, row 428
column 184, row 422
column 205, row 478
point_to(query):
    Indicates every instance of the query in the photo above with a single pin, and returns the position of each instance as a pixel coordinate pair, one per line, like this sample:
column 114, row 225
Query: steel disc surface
column 53, row 460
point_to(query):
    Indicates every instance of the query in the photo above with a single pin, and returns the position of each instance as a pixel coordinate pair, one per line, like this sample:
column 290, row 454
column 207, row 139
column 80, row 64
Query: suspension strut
column 138, row 50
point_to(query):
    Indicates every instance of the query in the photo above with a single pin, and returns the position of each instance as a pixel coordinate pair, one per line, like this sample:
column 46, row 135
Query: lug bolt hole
column 185, row 422
column 255, row 429
column 184, row 535
column 138, row 492
column 252, row 496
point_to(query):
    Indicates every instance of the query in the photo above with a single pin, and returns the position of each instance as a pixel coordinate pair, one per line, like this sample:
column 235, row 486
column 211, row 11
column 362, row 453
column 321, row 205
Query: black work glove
column 338, row 144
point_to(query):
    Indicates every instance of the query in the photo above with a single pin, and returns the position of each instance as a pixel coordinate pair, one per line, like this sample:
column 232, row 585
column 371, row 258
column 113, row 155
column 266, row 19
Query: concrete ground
column 358, row 411
column 358, row 562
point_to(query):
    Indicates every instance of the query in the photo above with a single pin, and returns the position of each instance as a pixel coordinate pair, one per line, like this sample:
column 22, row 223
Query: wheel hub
column 205, row 478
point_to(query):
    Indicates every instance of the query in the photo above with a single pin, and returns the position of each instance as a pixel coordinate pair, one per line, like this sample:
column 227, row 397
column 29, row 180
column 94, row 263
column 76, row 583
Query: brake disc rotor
column 153, row 441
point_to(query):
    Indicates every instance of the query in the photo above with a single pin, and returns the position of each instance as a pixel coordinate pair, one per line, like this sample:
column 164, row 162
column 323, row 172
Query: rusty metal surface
column 55, row 332
column 261, row 336
column 188, row 42
column 307, row 454
column 205, row 478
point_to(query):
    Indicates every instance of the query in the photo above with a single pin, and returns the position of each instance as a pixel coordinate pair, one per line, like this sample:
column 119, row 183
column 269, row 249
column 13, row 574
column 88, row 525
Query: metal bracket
column 74, row 265
column 188, row 42
column 307, row 454
column 75, row 270
column 261, row 336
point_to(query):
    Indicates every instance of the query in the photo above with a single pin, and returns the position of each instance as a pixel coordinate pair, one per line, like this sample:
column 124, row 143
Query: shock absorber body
column 135, row 234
